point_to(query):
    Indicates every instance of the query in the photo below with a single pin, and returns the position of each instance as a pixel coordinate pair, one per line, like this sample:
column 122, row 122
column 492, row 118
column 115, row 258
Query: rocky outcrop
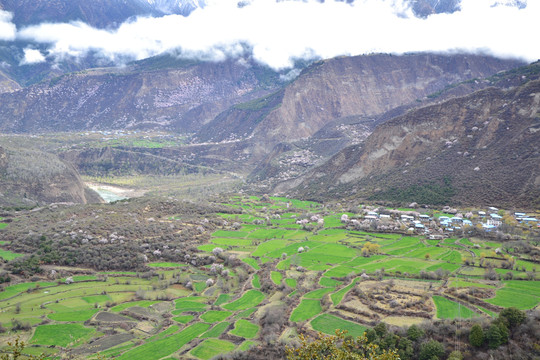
column 483, row 148
column 348, row 86
column 31, row 177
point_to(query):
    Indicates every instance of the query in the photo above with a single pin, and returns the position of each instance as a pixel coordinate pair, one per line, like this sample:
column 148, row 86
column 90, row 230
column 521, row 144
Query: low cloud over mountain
column 277, row 33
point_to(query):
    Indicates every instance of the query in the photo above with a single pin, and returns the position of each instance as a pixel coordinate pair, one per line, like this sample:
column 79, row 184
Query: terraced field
column 316, row 274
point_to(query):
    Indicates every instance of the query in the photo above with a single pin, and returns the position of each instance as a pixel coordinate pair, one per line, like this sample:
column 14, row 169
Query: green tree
column 455, row 355
column 380, row 329
column 339, row 347
column 493, row 336
column 476, row 337
column 503, row 328
column 389, row 341
column 405, row 349
column 431, row 350
column 414, row 333
column 513, row 315
column 371, row 335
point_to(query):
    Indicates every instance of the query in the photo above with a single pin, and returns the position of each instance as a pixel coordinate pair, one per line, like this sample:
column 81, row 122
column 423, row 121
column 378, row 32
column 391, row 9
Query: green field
column 166, row 265
column 306, row 310
column 167, row 320
column 78, row 315
column 269, row 246
column 327, row 282
column 463, row 283
column 183, row 319
column 245, row 329
column 216, row 331
column 256, row 281
column 142, row 303
column 249, row 299
column 165, row 347
column 338, row 295
column 246, row 345
column 230, row 234
column 328, row 324
column 447, row 309
column 341, row 271
column 252, row 262
column 61, row 334
column 318, row 294
column 213, row 316
column 291, row 283
column 14, row 290
column 276, row 277
column 222, row 299
column 8, row 255
column 212, row 347
column 521, row 294
column 188, row 305
column 96, row 299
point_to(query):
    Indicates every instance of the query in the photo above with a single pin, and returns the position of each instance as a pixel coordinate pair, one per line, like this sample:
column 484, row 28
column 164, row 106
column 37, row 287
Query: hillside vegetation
column 169, row 278
column 479, row 149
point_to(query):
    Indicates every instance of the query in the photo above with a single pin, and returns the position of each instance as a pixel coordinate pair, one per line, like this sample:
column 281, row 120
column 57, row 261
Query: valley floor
column 272, row 269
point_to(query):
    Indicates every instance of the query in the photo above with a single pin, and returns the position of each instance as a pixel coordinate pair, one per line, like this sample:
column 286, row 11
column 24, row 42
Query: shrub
column 455, row 355
column 338, row 347
column 476, row 336
column 431, row 350
column 513, row 316
column 414, row 333
column 493, row 337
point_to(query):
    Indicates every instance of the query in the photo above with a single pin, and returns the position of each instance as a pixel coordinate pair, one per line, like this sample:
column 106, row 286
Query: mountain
column 30, row 177
column 483, row 148
column 342, row 87
column 424, row 8
column 158, row 93
column 182, row 7
column 7, row 84
column 97, row 13
column 105, row 14
column 285, row 165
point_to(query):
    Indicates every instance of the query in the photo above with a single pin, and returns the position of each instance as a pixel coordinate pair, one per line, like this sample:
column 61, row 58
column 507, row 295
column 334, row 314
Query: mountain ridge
column 355, row 86
column 482, row 148
column 30, row 177
column 179, row 98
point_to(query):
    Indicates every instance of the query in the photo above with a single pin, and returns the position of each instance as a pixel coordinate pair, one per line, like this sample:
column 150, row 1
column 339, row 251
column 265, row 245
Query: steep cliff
column 347, row 86
column 32, row 177
column 483, row 148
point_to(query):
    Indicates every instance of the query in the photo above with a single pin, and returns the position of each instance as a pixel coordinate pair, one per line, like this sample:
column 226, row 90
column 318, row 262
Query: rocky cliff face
column 179, row 98
column 31, row 177
column 350, row 86
column 483, row 148
column 7, row 84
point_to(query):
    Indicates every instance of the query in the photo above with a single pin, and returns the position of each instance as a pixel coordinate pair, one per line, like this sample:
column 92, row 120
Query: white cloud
column 277, row 33
column 7, row 28
column 32, row 56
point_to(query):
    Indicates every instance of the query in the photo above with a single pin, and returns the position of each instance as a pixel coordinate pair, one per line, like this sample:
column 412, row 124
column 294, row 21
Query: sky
column 279, row 33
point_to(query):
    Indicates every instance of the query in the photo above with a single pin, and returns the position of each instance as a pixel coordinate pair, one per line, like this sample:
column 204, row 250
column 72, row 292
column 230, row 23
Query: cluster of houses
column 419, row 223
